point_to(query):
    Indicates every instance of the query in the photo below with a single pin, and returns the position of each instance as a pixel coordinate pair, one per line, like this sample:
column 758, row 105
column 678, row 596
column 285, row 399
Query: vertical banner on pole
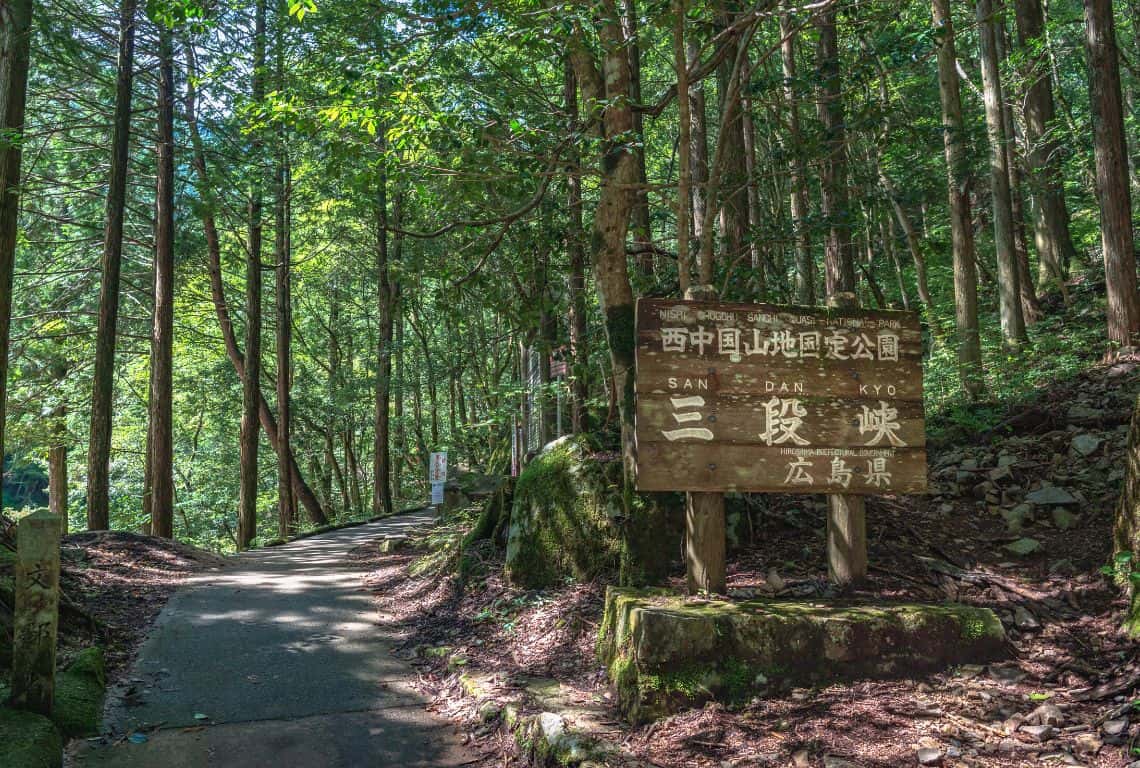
column 437, row 476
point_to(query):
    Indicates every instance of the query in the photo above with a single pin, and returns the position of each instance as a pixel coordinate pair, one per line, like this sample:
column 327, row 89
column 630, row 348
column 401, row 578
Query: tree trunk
column 251, row 384
column 1030, row 307
column 684, row 146
column 385, row 298
column 731, row 171
column 1009, row 291
column 102, row 390
column 839, row 261
column 160, row 437
column 609, row 90
column 699, row 143
column 15, row 42
column 1054, row 243
column 1112, row 173
column 301, row 489
column 579, row 350
column 283, row 290
column 57, row 466
column 641, row 230
column 846, row 527
column 961, row 224
column 805, row 264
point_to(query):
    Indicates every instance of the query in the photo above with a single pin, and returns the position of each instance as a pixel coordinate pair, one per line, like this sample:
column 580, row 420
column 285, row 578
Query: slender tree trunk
column 313, row 506
column 1030, row 307
column 283, row 290
column 805, row 263
column 1051, row 215
column 887, row 235
column 839, row 262
column 401, row 427
column 1009, row 291
column 913, row 238
column 961, row 223
column 731, row 171
column 102, row 390
column 160, row 438
column 684, row 145
column 1112, row 172
column 755, row 218
column 57, row 465
column 15, row 43
column 251, row 385
column 699, row 158
column 641, row 230
column 579, row 351
column 385, row 298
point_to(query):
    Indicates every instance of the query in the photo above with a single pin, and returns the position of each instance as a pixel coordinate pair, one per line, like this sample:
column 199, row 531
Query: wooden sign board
column 759, row 397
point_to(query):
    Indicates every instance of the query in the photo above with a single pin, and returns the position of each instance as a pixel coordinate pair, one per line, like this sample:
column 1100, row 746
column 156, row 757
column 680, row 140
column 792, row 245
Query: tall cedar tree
column 102, row 389
column 160, row 438
column 1112, row 172
column 15, row 42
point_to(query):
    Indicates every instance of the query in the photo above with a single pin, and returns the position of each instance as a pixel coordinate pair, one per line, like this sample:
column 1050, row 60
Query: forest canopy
column 270, row 255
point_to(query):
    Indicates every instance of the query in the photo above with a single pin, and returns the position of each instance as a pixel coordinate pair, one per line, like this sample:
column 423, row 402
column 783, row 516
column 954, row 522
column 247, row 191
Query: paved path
column 282, row 655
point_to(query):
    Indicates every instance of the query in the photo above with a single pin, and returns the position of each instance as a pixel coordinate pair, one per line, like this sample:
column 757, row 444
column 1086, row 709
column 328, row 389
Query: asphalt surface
column 277, row 660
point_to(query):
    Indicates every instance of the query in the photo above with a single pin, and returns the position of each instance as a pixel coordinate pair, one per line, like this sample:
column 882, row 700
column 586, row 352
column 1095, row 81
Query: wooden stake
column 37, row 612
column 704, row 542
column 846, row 515
column 704, row 517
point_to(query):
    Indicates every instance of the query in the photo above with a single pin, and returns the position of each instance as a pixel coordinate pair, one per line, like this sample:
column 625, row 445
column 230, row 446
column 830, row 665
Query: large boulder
column 571, row 517
column 665, row 653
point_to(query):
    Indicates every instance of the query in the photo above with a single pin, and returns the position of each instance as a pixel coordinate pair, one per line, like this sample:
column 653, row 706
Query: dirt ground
column 1068, row 666
column 120, row 581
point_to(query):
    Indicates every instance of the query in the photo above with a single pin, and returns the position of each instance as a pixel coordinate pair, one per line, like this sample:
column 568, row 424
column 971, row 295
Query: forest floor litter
column 1019, row 520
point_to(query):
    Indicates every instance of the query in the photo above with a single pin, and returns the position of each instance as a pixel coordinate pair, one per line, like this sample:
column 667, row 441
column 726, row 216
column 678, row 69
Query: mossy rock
column 571, row 517
column 79, row 691
column 665, row 653
column 28, row 741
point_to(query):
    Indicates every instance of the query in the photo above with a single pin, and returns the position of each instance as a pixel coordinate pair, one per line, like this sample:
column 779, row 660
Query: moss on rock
column 570, row 517
column 28, row 741
column 79, row 693
column 665, row 653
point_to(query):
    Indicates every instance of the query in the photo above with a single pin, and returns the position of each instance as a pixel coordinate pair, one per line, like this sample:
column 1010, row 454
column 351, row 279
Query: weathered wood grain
column 724, row 390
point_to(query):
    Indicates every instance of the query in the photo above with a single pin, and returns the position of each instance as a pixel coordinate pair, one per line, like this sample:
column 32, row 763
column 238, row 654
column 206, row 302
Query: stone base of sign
column 569, row 518
column 28, row 740
column 666, row 653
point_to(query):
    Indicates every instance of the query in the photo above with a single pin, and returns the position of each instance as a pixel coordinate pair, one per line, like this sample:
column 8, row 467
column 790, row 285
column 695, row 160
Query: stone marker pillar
column 846, row 514
column 37, row 612
column 704, row 516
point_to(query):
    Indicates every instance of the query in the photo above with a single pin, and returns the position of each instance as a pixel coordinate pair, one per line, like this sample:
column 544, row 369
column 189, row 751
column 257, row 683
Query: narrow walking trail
column 276, row 660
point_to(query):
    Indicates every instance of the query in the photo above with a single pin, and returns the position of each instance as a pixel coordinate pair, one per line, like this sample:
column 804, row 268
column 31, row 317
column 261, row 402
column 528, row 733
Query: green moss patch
column 79, row 693
column 571, row 518
column 665, row 653
column 28, row 741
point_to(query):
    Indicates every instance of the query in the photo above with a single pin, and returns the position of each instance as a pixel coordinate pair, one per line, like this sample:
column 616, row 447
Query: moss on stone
column 28, row 741
column 664, row 653
column 79, row 693
column 571, row 516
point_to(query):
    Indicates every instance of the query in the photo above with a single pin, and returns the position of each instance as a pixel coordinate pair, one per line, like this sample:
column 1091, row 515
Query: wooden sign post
column 36, row 612
column 779, row 399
